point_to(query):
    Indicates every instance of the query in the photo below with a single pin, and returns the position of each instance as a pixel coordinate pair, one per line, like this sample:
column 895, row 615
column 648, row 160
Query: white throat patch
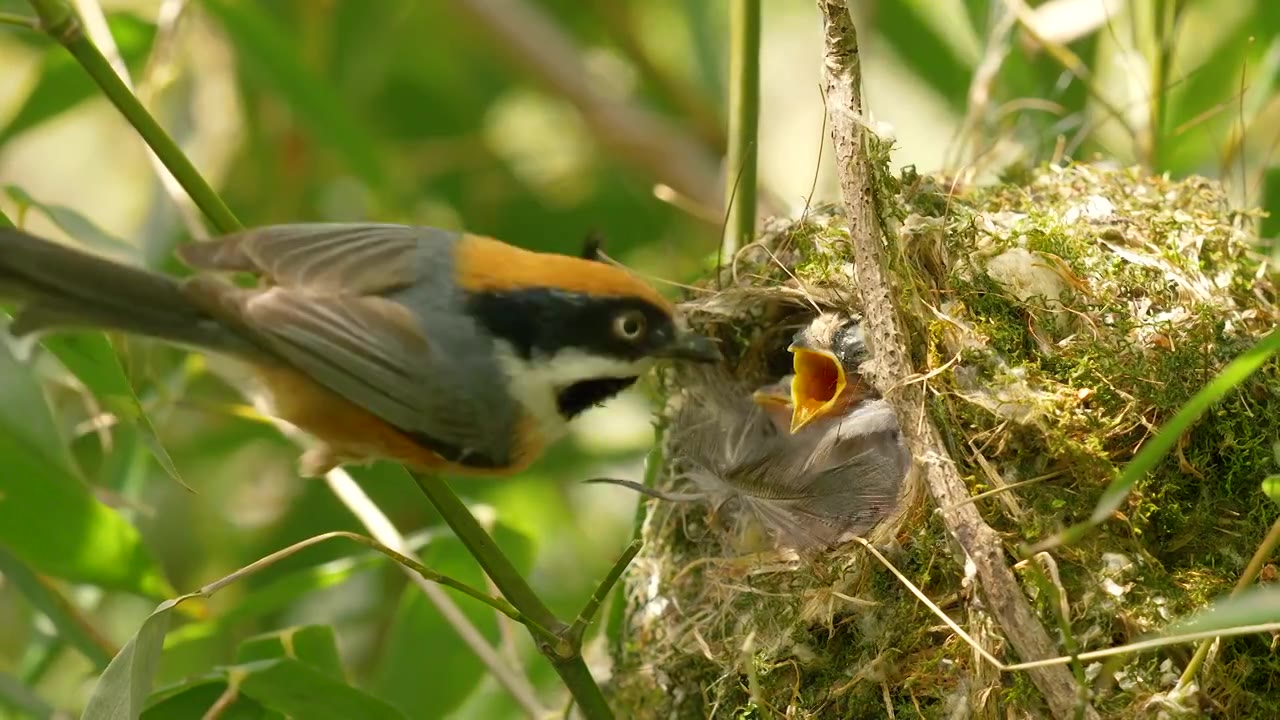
column 536, row 382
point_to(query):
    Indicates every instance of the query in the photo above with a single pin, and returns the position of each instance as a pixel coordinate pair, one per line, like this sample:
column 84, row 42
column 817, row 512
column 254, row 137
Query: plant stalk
column 744, row 116
column 59, row 21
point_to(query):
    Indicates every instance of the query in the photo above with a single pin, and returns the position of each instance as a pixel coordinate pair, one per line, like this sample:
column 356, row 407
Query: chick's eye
column 629, row 326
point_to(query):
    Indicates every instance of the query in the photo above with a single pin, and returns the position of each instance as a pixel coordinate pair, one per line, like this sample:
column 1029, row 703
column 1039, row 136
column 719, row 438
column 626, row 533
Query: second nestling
column 815, row 458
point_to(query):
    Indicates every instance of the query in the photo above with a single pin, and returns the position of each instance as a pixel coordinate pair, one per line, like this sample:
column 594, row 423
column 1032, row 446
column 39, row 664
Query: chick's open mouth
column 819, row 380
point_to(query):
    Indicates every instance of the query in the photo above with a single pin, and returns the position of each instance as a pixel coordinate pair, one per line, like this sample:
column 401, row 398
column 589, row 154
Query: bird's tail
column 57, row 287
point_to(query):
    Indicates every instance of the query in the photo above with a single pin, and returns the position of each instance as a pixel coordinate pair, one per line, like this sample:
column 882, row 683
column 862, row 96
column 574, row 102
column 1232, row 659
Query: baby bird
column 814, row 457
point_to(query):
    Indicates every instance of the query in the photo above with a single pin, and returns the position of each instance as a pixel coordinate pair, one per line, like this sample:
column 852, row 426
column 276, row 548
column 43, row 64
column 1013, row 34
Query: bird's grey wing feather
column 324, row 258
column 374, row 352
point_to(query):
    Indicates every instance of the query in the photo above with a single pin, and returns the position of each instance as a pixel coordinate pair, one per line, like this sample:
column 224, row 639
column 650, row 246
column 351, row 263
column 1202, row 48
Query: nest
column 1057, row 323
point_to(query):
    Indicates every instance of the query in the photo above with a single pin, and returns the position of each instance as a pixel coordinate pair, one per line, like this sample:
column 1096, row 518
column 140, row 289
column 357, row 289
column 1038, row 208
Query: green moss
column 1155, row 291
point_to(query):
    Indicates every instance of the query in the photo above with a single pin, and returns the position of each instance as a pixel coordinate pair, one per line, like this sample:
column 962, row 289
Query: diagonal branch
column 843, row 80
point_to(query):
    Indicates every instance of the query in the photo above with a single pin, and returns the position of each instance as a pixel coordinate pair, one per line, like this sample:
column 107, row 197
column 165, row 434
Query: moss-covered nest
column 1057, row 322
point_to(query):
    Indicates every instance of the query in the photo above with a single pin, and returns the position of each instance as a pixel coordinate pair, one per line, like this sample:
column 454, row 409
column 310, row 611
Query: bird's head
column 826, row 356
column 572, row 332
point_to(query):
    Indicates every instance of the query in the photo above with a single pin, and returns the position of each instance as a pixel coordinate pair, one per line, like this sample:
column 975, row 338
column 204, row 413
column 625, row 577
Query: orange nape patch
column 487, row 265
column 819, row 381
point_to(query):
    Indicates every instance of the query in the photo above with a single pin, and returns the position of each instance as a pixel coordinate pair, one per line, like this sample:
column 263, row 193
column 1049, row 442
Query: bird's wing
column 334, row 307
column 444, row 389
column 324, row 258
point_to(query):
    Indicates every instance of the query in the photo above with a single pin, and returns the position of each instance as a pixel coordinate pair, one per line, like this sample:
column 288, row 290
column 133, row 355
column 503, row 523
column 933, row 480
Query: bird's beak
column 692, row 347
column 817, row 386
column 775, row 401
column 774, row 395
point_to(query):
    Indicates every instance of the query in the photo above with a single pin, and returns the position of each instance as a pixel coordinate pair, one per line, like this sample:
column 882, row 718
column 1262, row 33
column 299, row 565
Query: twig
column 533, row 43
column 69, row 621
column 579, row 627
column 744, row 116
column 843, row 80
column 498, row 604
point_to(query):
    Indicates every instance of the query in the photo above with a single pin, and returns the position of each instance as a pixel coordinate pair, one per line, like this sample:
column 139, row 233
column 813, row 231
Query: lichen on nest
column 1057, row 323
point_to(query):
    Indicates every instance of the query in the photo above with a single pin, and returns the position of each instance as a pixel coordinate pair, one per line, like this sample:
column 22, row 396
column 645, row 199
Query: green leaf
column 89, row 542
column 25, row 417
column 48, row 601
column 63, row 84
column 270, row 59
column 299, row 690
column 312, row 644
column 1155, row 449
column 93, row 359
column 122, row 689
column 1258, row 605
column 79, row 227
column 193, row 699
column 455, row 671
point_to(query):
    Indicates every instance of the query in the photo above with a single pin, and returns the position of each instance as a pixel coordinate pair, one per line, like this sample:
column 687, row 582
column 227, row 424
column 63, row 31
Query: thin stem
column 593, row 603
column 60, row 23
column 564, row 657
column 499, row 604
column 1251, row 572
column 22, row 21
column 744, row 115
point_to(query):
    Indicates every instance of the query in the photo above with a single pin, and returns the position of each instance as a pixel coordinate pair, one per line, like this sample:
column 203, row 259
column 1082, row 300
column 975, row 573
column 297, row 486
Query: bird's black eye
column 629, row 325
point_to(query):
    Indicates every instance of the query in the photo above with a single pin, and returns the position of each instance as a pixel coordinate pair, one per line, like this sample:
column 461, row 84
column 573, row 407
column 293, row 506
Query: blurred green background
column 535, row 121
